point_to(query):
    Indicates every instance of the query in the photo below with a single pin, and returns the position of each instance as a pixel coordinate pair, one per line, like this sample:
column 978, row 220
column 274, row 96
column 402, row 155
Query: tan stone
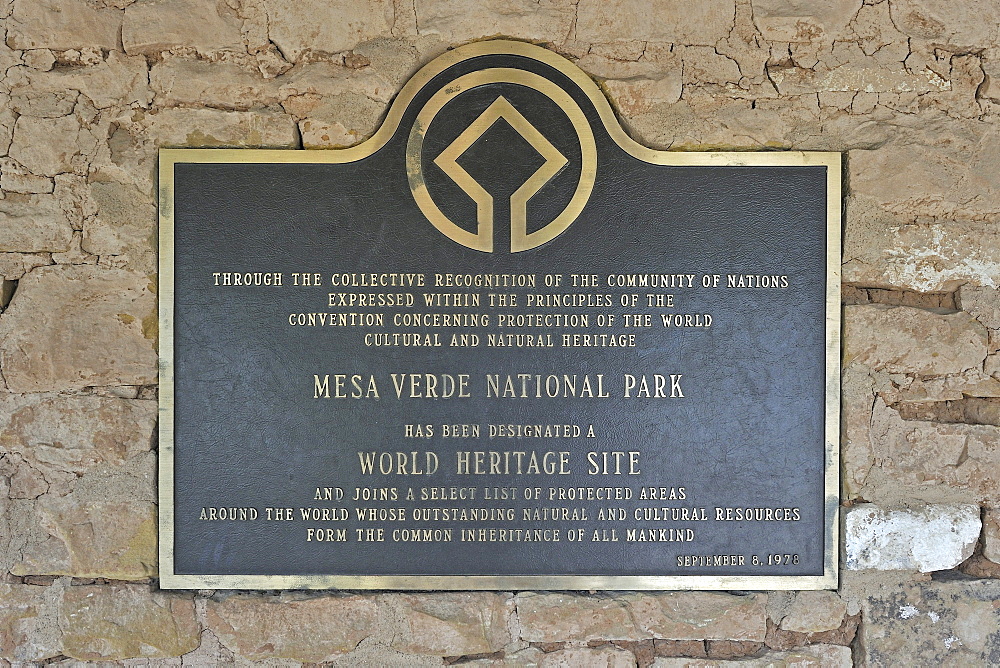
column 30, row 99
column 15, row 179
column 636, row 87
column 991, row 535
column 700, row 616
column 33, row 223
column 186, row 82
column 814, row 611
column 305, row 29
column 77, row 326
column 603, row 657
column 207, row 26
column 49, row 146
column 341, row 121
column 15, row 265
column 211, row 128
column 813, row 656
column 125, row 226
column 115, row 540
column 113, row 623
column 459, row 21
column 117, row 80
column 677, row 21
column 562, row 617
column 907, row 340
column 60, row 25
column 957, row 25
column 930, row 624
column 803, row 21
column 293, row 627
column 982, row 303
column 59, row 438
column 28, row 626
column 451, row 624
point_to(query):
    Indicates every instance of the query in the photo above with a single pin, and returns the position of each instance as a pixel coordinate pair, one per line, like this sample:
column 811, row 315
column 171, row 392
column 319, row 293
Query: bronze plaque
column 499, row 345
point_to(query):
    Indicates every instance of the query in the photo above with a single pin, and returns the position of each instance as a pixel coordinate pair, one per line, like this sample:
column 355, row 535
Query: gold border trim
column 170, row 156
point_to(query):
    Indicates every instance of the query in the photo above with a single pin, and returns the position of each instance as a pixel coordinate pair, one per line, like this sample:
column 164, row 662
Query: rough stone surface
column 304, row 30
column 47, row 441
column 814, row 611
column 33, row 223
column 560, row 617
column 907, row 340
column 450, row 624
column 933, row 538
column 93, row 539
column 112, row 623
column 60, row 25
column 603, row 657
column 73, row 327
column 701, row 616
column 813, row 656
column 152, row 26
column 297, row 628
column 29, row 628
column 931, row 624
column 991, row 535
column 124, row 226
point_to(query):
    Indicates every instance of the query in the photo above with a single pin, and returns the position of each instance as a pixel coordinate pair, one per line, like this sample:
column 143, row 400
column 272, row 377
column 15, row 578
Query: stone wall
column 91, row 89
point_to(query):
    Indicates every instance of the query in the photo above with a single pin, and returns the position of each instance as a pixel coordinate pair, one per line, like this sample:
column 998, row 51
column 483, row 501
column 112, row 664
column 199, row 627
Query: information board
column 499, row 345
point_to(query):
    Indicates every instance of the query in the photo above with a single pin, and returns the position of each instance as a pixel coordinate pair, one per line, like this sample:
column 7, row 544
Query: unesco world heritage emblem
column 499, row 345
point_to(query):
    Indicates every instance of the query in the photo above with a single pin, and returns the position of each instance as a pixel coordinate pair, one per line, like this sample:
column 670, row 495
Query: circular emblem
column 479, row 236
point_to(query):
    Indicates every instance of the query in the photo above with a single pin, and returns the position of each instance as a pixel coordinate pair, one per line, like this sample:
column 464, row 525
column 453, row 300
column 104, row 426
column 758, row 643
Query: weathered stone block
column 50, row 146
column 88, row 539
column 29, row 629
column 451, row 624
column 59, row 438
column 931, row 624
column 676, row 21
column 991, row 535
column 258, row 628
column 796, row 21
column 60, row 25
column 898, row 339
column 813, row 656
column 561, row 617
column 117, row 80
column 934, row 538
column 604, row 657
column 211, row 128
column 78, row 326
column 125, row 226
column 186, row 82
column 112, row 623
column 814, row 611
column 152, row 26
column 303, row 30
column 700, row 616
column 459, row 21
column 960, row 26
column 33, row 224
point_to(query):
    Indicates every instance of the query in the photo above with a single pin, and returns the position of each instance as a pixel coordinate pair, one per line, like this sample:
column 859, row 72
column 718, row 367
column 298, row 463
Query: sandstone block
column 28, row 624
column 931, row 624
column 59, row 25
column 117, row 80
column 115, row 540
column 562, row 617
column 934, row 538
column 211, row 128
column 959, row 26
column 309, row 29
column 112, row 623
column 679, row 22
column 50, row 146
column 221, row 85
column 259, row 628
column 59, row 438
column 451, row 624
column 16, row 179
column 33, row 224
column 458, row 21
column 125, row 226
column 907, row 340
column 602, row 657
column 981, row 303
column 700, row 616
column 813, row 656
column 991, row 535
column 152, row 26
column 15, row 265
column 79, row 326
column 797, row 21
column 814, row 611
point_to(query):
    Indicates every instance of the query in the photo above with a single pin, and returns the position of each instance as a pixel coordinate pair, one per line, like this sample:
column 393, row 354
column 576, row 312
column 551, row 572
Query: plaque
column 499, row 345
